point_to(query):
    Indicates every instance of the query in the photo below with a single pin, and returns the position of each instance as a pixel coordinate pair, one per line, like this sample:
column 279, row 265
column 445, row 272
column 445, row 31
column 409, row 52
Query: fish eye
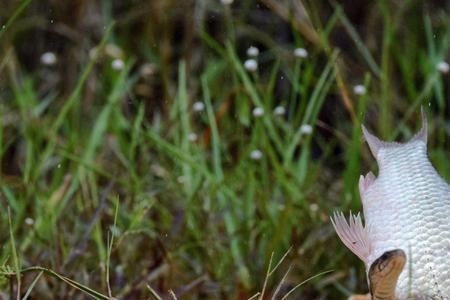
column 385, row 256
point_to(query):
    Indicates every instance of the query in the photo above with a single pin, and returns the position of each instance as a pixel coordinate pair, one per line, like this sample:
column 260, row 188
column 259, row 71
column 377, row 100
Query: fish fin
column 422, row 134
column 375, row 144
column 365, row 182
column 353, row 234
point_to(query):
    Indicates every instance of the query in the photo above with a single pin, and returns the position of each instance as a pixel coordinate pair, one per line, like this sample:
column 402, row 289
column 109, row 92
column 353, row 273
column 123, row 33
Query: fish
column 406, row 210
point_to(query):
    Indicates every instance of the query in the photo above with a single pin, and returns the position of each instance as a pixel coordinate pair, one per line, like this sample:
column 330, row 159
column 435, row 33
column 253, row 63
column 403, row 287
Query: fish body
column 407, row 207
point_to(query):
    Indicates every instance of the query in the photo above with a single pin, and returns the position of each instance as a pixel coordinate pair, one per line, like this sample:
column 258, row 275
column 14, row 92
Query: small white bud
column 443, row 67
column 300, row 53
column 258, row 112
column 279, row 110
column 314, row 207
column 198, row 106
column 256, row 155
column 252, row 51
column 226, row 2
column 48, row 59
column 93, row 52
column 147, row 69
column 117, row 64
column 158, row 170
column 29, row 221
column 251, row 65
column 306, row 129
column 359, row 89
column 192, row 137
column 113, row 50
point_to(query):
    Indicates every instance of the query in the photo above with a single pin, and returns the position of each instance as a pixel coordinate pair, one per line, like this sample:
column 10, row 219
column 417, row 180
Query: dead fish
column 406, row 208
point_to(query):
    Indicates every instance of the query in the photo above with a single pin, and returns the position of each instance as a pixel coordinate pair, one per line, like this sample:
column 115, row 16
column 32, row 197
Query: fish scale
column 406, row 207
column 402, row 212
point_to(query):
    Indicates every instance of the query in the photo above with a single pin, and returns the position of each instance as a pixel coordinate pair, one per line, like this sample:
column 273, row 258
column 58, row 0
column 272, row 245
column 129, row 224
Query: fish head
column 384, row 272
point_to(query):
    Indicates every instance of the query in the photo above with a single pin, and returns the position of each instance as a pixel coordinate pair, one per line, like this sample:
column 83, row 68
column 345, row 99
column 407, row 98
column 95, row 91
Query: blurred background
column 200, row 146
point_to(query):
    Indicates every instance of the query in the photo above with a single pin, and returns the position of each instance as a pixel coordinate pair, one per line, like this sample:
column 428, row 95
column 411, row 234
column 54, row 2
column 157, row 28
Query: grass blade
column 153, row 292
column 14, row 255
column 215, row 132
column 30, row 288
column 254, row 96
column 13, row 18
column 305, row 281
column 73, row 98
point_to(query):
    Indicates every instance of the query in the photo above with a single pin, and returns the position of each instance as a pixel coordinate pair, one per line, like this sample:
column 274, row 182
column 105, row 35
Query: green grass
column 109, row 196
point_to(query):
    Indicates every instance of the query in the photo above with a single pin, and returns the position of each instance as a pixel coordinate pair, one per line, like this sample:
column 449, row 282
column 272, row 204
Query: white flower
column 198, row 106
column 93, row 52
column 226, row 2
column 443, row 67
column 49, row 58
column 359, row 89
column 252, row 51
column 258, row 112
column 117, row 64
column 314, row 207
column 192, row 137
column 147, row 70
column 113, row 50
column 306, row 129
column 158, row 170
column 300, row 52
column 279, row 110
column 29, row 221
column 251, row 65
column 256, row 154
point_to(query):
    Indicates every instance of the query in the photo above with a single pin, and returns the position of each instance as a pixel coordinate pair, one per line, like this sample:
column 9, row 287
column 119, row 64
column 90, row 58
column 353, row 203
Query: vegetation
column 144, row 148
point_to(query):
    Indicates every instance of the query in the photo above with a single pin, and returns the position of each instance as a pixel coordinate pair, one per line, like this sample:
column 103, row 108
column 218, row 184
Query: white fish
column 407, row 207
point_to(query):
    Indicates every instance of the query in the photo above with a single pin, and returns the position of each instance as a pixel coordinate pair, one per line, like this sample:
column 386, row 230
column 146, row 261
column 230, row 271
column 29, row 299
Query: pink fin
column 365, row 182
column 422, row 134
column 353, row 234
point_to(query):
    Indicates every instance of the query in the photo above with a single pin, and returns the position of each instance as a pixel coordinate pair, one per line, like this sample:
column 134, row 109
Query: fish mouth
column 384, row 272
